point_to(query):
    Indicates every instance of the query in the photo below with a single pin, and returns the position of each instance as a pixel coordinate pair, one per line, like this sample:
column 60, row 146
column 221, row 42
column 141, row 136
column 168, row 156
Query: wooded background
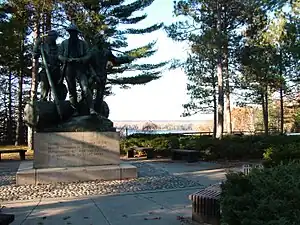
column 242, row 53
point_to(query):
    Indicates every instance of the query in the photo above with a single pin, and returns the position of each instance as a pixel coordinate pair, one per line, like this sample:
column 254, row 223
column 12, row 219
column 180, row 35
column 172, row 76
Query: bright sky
column 161, row 99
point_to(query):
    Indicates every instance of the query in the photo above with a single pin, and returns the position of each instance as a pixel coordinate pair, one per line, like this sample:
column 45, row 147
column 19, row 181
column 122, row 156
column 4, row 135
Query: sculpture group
column 78, row 65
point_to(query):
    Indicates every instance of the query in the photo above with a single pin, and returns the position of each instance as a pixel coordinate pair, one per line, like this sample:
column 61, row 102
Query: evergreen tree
column 200, row 69
column 117, row 20
column 220, row 20
column 274, row 37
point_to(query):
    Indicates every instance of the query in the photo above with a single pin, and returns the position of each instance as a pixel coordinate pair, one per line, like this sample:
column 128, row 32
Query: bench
column 20, row 151
column 206, row 205
column 206, row 202
column 192, row 155
column 149, row 151
column 6, row 219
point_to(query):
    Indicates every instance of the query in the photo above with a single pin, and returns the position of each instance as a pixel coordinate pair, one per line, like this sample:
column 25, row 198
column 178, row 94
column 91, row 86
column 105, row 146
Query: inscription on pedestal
column 67, row 149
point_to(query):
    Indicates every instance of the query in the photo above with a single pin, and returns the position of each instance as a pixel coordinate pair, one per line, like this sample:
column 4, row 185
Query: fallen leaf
column 67, row 217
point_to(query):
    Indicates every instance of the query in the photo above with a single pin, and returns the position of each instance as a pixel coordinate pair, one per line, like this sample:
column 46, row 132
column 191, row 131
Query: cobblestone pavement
column 149, row 178
column 8, row 170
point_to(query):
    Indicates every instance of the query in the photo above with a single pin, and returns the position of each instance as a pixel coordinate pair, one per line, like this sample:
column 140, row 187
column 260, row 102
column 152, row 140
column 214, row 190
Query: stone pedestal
column 27, row 175
column 75, row 156
column 71, row 149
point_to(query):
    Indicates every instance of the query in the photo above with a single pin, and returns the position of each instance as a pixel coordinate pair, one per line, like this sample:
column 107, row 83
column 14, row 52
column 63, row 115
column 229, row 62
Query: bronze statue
column 100, row 61
column 50, row 50
column 74, row 54
column 77, row 63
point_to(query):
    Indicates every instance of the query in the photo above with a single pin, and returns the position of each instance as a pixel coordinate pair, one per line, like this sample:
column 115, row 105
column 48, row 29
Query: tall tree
column 224, row 19
column 200, row 68
column 117, row 20
column 272, row 33
column 113, row 17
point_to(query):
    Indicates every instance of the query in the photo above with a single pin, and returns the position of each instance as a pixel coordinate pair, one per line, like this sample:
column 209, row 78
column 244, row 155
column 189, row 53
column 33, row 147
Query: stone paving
column 157, row 208
column 158, row 196
column 8, row 171
column 152, row 175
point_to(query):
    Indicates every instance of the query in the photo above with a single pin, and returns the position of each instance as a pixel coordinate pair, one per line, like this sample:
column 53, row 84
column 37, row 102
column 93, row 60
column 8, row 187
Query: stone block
column 76, row 149
column 25, row 173
column 74, row 174
column 127, row 171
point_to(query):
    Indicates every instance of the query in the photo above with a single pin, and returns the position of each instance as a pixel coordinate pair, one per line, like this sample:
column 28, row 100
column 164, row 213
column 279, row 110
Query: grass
column 15, row 156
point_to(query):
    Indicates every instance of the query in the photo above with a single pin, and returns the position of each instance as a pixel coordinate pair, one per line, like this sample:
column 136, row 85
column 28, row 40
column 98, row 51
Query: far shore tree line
column 245, row 119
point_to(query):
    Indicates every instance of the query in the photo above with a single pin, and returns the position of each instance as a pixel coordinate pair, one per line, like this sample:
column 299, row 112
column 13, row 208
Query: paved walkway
column 153, row 207
column 159, row 208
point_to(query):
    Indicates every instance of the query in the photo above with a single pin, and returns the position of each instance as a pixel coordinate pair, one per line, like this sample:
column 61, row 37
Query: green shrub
column 174, row 142
column 265, row 197
column 284, row 153
column 230, row 147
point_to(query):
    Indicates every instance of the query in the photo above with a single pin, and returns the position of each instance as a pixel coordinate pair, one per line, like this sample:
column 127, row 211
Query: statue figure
column 76, row 66
column 74, row 54
column 51, row 57
column 100, row 61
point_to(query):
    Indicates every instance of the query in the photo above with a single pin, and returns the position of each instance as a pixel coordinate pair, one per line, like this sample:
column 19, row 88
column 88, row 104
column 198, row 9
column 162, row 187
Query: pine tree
column 200, row 68
column 94, row 16
column 274, row 37
column 222, row 19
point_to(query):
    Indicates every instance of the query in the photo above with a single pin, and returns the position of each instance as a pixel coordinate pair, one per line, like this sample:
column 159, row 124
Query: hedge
column 283, row 153
column 229, row 148
column 264, row 197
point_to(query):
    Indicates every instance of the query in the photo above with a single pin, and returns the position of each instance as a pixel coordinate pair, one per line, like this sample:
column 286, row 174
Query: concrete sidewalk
column 159, row 208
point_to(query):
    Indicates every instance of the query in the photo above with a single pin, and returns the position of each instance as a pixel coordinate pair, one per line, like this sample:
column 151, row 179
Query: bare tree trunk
column 33, row 90
column 281, row 97
column 215, row 116
column 215, row 102
column 227, row 93
column 10, row 112
column 226, row 73
column 265, row 106
column 19, row 130
column 281, row 111
column 220, row 128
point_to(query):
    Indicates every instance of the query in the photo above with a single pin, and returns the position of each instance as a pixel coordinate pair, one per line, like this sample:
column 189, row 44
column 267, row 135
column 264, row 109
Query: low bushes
column 283, row 153
column 264, row 197
column 230, row 147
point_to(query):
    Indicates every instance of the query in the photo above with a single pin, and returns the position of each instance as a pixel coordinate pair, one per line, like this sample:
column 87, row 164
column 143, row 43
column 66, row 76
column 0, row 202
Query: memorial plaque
column 72, row 149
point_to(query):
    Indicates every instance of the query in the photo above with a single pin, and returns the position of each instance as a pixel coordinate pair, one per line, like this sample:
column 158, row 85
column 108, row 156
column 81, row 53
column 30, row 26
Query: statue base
column 95, row 123
column 74, row 156
column 27, row 175
column 43, row 116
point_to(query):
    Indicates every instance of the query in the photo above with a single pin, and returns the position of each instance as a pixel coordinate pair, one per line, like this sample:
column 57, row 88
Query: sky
column 161, row 99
